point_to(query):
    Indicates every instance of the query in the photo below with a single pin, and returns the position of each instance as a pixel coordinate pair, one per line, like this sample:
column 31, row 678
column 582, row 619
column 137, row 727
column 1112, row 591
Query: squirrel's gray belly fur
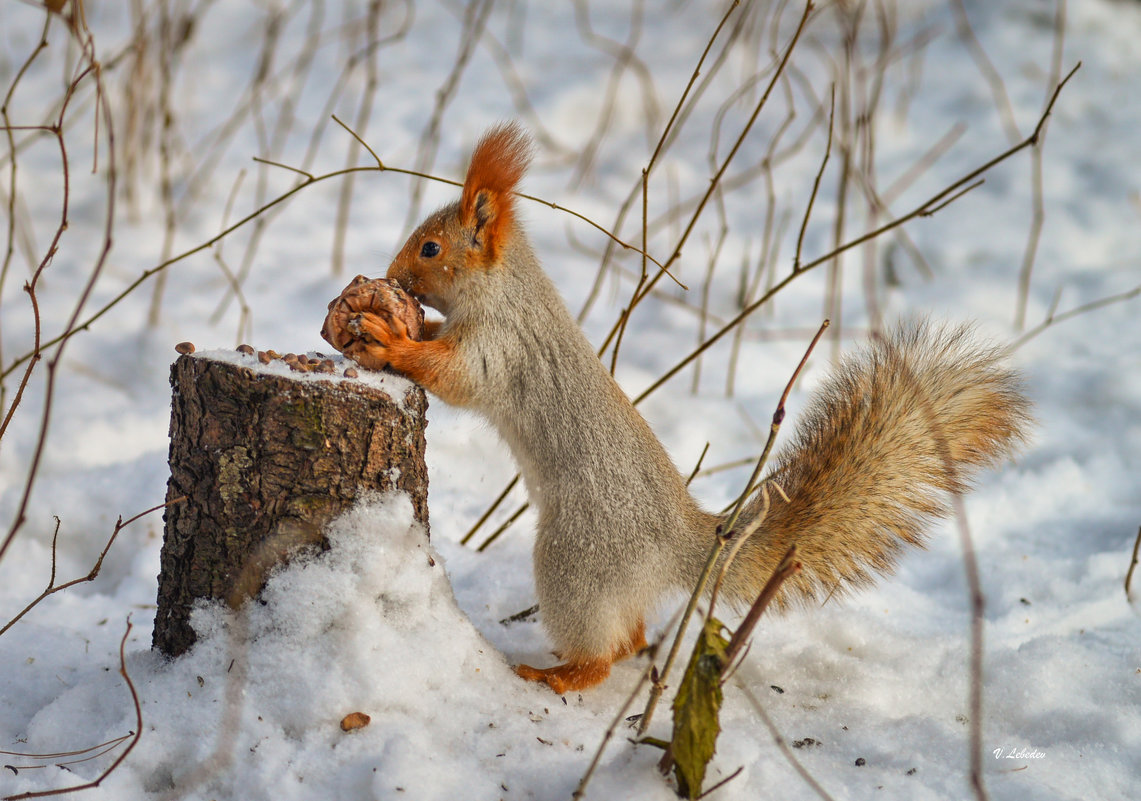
column 614, row 516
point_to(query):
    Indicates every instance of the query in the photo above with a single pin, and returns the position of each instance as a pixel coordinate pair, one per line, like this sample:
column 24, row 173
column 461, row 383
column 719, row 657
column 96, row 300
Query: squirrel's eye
column 429, row 250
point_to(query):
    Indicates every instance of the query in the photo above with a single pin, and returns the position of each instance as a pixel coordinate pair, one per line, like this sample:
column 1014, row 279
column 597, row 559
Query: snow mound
column 253, row 710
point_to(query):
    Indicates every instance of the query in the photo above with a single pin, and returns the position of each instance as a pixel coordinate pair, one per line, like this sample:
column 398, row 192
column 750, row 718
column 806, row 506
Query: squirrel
column 891, row 433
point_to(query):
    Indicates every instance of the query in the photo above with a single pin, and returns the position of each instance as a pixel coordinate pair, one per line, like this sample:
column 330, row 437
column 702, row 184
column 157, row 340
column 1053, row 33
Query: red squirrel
column 893, row 430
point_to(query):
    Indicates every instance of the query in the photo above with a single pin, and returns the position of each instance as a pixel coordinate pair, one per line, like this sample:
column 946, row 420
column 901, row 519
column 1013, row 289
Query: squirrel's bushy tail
column 891, row 433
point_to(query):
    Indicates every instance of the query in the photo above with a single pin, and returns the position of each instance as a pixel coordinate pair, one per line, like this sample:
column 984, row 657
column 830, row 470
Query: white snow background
column 252, row 712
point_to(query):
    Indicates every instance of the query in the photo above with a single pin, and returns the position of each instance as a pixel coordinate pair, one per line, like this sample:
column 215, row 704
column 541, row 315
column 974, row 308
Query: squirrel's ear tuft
column 497, row 165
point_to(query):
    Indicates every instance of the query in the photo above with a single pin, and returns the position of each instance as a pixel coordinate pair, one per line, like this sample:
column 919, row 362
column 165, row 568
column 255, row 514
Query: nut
column 379, row 296
column 355, row 720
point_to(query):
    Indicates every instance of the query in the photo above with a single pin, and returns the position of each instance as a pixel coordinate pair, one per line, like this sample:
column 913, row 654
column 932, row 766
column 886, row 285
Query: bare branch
column 137, row 733
column 91, row 575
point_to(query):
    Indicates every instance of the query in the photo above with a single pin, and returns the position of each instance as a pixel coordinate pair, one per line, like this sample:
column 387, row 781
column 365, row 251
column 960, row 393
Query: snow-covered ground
column 253, row 711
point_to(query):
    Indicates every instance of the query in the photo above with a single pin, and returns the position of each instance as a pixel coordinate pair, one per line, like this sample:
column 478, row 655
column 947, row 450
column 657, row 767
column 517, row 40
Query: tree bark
column 264, row 461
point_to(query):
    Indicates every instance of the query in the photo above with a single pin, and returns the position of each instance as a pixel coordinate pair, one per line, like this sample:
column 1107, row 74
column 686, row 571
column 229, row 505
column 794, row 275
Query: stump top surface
column 395, row 386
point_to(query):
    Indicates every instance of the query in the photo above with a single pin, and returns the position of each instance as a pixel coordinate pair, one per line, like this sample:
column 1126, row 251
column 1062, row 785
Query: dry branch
column 1132, row 567
column 936, row 201
column 727, row 532
column 87, row 69
column 135, row 735
column 52, row 588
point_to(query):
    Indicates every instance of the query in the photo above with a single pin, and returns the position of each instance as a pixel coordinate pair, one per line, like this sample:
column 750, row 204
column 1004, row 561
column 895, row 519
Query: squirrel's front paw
column 377, row 340
column 385, row 329
column 368, row 354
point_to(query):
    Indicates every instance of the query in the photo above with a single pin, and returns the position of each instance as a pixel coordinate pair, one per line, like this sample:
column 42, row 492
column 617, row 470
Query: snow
column 408, row 630
column 396, row 387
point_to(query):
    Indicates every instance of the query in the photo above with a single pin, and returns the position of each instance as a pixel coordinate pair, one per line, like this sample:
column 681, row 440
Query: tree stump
column 265, row 457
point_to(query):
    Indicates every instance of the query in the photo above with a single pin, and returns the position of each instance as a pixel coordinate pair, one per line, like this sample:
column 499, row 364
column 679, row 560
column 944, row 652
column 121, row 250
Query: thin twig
column 697, row 467
column 738, row 543
column 12, row 194
column 1038, row 202
column 59, row 754
column 503, row 527
column 715, row 181
column 725, row 533
column 722, row 783
column 1132, row 567
column 786, row 568
column 659, row 684
column 475, row 17
column 774, row 429
column 580, row 790
column 235, row 284
column 625, row 58
column 1053, row 319
column 986, row 67
column 680, row 113
column 939, row 207
column 782, row 744
column 91, row 575
column 366, row 146
column 816, row 182
column 483, row 519
column 974, row 584
column 137, row 733
column 918, row 211
column 304, row 173
column 372, row 81
column 92, row 70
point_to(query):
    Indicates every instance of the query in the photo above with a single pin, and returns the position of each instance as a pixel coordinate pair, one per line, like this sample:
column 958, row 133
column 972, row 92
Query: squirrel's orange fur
column 895, row 429
column 497, row 166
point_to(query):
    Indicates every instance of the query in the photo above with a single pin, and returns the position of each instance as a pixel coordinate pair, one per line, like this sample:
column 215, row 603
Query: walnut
column 380, row 296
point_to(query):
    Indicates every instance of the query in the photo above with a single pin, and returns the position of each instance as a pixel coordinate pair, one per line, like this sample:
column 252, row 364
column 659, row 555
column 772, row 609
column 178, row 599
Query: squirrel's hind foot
column 568, row 677
column 581, row 674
